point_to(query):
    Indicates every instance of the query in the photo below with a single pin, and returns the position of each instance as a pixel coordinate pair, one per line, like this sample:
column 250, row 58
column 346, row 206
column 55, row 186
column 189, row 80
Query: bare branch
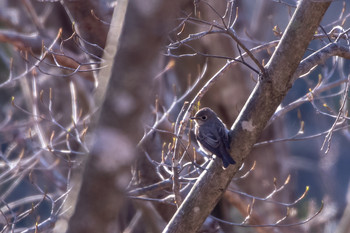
column 261, row 105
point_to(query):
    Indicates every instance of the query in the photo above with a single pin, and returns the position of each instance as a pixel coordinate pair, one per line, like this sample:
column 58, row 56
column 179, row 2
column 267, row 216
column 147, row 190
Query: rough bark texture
column 265, row 98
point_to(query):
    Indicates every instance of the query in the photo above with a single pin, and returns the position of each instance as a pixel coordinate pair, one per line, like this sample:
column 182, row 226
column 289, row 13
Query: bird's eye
column 204, row 118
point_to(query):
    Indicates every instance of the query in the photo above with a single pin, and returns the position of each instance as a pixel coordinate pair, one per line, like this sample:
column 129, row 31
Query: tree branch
column 265, row 98
column 319, row 57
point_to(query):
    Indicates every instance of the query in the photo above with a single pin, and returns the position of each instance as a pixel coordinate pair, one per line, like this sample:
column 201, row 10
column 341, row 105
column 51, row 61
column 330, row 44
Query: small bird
column 212, row 135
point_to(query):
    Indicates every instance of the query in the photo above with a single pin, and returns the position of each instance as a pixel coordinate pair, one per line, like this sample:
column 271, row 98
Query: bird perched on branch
column 212, row 135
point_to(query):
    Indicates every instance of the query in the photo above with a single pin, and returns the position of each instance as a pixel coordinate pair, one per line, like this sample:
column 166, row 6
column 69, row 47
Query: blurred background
column 52, row 60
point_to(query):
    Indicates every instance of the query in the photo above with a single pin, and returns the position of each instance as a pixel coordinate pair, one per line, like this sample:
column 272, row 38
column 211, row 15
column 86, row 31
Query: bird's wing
column 224, row 135
column 209, row 140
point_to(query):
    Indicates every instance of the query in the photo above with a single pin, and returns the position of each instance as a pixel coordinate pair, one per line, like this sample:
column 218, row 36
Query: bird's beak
column 193, row 118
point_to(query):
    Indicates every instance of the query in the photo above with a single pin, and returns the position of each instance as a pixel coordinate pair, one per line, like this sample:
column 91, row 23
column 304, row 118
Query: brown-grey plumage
column 212, row 135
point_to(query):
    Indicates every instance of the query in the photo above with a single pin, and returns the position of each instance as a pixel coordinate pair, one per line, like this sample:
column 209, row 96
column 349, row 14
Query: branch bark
column 262, row 103
column 319, row 57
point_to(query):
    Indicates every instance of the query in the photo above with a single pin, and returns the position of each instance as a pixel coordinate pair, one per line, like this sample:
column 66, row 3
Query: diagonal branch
column 262, row 103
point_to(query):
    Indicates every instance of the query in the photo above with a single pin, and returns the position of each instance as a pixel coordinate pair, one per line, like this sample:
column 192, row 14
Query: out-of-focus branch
column 34, row 44
column 99, row 178
column 123, row 116
column 22, row 41
column 86, row 24
column 262, row 103
column 344, row 224
column 241, row 205
column 35, row 18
